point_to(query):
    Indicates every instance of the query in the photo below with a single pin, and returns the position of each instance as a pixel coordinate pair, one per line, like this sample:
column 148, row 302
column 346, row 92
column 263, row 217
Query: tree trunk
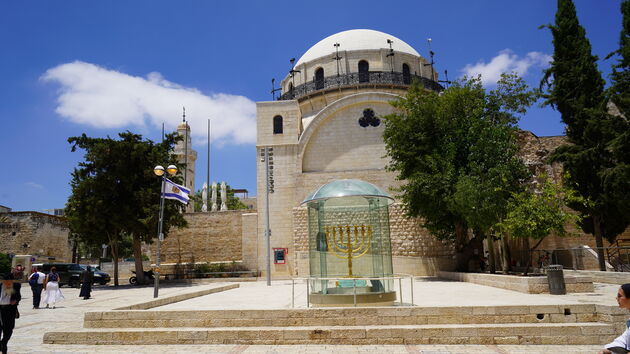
column 507, row 255
column 529, row 258
column 114, row 247
column 461, row 256
column 75, row 255
column 137, row 255
column 491, row 256
column 599, row 242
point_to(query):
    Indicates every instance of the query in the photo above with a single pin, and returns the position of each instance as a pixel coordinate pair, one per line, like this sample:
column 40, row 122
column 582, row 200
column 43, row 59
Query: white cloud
column 505, row 62
column 34, row 185
column 103, row 98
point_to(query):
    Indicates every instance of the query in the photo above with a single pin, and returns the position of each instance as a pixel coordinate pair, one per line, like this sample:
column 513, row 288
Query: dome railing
column 372, row 78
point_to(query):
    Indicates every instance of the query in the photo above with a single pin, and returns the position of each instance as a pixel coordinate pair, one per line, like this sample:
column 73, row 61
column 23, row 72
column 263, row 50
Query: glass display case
column 350, row 254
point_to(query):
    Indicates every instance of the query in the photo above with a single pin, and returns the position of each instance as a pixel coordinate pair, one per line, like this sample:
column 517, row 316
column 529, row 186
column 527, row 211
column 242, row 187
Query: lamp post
column 159, row 171
column 266, row 156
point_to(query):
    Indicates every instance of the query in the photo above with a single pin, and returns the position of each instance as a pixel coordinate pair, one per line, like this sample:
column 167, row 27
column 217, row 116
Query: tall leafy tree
column 115, row 193
column 456, row 155
column 576, row 89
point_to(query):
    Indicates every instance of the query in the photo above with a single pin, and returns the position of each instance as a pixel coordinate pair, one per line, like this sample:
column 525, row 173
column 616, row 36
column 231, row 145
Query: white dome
column 357, row 39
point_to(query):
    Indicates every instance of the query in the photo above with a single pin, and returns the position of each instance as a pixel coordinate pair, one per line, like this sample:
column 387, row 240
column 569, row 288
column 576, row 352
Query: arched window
column 319, row 78
column 406, row 75
column 364, row 68
column 277, row 125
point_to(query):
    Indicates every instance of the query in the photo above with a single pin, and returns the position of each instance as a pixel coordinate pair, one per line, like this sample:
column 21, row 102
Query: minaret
column 186, row 156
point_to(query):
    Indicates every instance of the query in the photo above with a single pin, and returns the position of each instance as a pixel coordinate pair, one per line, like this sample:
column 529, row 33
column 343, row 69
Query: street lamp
column 159, row 171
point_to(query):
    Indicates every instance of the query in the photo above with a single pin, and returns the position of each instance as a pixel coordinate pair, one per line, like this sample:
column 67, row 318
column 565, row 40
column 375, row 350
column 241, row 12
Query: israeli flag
column 175, row 191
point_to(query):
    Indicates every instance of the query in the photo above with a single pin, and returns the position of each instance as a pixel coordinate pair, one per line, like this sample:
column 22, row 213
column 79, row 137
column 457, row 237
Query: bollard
column 555, row 278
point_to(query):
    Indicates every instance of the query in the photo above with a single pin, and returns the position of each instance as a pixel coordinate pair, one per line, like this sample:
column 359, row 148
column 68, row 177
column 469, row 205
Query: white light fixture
column 172, row 170
column 159, row 170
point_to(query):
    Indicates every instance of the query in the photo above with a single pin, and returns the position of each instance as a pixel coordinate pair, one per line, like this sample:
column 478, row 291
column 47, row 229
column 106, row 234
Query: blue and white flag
column 175, row 191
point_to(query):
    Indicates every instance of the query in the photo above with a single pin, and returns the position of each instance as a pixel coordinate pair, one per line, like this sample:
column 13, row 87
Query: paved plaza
column 68, row 316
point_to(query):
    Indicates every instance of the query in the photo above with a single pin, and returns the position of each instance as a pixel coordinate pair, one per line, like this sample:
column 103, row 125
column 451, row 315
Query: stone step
column 343, row 316
column 544, row 333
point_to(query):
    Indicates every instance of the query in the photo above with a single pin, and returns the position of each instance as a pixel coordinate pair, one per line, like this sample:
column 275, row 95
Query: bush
column 201, row 270
column 5, row 263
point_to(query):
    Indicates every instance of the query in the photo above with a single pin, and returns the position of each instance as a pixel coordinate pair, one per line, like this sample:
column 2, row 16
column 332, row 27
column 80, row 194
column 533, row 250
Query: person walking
column 52, row 294
column 36, row 281
column 18, row 273
column 87, row 278
column 9, row 300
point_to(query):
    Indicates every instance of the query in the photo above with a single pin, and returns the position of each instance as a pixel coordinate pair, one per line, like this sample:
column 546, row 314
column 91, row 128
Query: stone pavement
column 28, row 334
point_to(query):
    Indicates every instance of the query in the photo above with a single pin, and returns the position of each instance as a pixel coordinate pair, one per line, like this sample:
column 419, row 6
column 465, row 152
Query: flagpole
column 185, row 150
column 208, row 165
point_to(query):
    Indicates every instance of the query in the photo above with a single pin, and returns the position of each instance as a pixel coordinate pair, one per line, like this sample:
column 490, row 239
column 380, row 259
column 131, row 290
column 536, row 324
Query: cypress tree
column 576, row 90
column 617, row 179
column 620, row 90
column 577, row 84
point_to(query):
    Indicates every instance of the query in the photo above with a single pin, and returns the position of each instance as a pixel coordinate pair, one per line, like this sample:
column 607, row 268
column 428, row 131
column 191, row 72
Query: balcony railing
column 373, row 78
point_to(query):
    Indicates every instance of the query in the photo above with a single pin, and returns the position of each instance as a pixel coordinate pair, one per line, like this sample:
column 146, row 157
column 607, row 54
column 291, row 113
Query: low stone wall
column 171, row 299
column 530, row 285
column 602, row 277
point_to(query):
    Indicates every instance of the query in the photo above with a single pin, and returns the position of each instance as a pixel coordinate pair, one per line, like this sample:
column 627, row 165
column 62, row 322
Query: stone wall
column 41, row 235
column 250, row 241
column 209, row 237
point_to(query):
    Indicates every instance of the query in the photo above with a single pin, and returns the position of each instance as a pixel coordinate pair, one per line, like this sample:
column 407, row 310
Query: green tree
column 456, row 155
column 115, row 193
column 233, row 203
column 538, row 213
column 577, row 92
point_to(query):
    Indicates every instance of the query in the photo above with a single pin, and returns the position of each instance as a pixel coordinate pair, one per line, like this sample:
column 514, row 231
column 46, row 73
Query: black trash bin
column 555, row 278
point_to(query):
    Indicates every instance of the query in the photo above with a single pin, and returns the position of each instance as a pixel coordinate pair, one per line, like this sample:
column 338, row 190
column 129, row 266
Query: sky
column 101, row 68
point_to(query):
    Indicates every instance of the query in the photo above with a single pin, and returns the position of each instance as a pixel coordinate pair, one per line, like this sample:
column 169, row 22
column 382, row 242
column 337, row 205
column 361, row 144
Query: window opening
column 277, row 125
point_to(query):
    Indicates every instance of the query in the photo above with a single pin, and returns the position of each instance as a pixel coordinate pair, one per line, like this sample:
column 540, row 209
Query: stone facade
column 41, row 235
column 209, row 237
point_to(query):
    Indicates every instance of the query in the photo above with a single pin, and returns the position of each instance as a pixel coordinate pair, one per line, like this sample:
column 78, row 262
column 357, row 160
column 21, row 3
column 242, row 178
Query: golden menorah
column 349, row 241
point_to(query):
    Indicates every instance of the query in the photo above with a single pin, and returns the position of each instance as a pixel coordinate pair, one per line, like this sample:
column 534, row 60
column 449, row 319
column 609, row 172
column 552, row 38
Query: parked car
column 100, row 277
column 70, row 273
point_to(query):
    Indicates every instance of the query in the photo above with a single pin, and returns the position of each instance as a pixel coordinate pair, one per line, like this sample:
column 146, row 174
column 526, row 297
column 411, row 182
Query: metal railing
column 577, row 258
column 369, row 79
column 398, row 277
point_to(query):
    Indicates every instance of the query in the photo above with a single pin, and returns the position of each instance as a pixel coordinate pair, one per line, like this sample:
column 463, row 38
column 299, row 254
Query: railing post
column 411, row 283
column 308, row 293
column 400, row 289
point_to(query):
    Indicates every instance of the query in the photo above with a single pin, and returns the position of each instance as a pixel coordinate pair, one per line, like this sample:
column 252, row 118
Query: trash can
column 555, row 278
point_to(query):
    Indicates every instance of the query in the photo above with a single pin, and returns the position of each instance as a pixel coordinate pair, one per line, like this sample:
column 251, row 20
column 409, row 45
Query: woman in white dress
column 52, row 294
column 622, row 343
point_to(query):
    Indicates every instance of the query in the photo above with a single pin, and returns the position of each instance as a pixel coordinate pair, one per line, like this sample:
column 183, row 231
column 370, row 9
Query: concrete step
column 540, row 333
column 343, row 316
